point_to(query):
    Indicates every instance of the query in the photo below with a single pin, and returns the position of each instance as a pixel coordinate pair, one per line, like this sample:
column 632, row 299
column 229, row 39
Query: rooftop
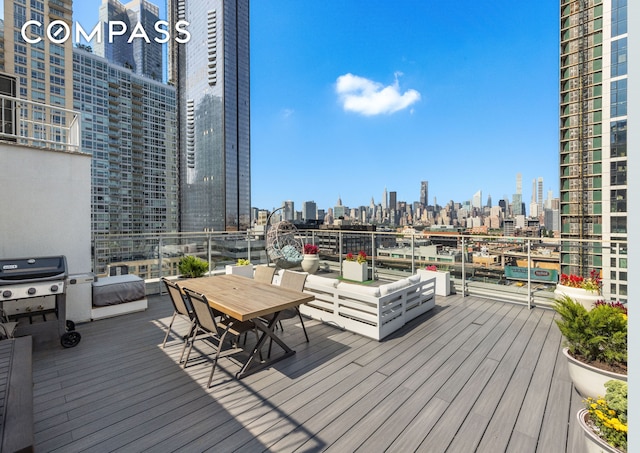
column 472, row 374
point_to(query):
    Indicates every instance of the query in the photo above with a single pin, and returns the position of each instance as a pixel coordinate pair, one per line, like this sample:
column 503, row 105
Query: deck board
column 471, row 375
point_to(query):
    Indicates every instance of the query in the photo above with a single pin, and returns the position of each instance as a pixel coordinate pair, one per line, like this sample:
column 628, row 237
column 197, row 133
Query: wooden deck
column 471, row 375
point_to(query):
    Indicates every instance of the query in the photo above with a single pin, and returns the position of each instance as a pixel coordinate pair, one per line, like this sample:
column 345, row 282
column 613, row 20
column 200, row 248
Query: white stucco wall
column 45, row 205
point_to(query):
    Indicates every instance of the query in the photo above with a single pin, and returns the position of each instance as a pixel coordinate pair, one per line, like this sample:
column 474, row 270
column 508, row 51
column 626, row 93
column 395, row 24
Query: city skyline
column 335, row 106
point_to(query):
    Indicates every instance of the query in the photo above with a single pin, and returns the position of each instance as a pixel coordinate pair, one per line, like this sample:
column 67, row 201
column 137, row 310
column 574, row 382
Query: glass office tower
column 593, row 140
column 211, row 73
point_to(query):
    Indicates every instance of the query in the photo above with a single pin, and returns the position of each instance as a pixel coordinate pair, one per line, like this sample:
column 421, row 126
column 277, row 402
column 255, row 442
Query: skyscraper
column 142, row 57
column 424, row 193
column 211, row 73
column 593, row 139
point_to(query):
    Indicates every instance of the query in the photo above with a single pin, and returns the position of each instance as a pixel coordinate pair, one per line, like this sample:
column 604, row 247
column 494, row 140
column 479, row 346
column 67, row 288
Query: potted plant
column 355, row 267
column 604, row 420
column 443, row 279
column 310, row 260
column 586, row 291
column 242, row 267
column 596, row 343
column 192, row 267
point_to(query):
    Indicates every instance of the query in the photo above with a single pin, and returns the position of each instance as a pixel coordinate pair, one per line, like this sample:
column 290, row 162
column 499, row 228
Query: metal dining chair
column 215, row 330
column 181, row 308
column 295, row 281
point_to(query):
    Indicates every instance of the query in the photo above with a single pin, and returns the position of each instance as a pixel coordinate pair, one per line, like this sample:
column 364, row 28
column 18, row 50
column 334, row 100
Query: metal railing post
column 413, row 253
column 464, row 280
column 340, row 251
column 209, row 251
column 160, row 263
column 373, row 256
column 529, row 295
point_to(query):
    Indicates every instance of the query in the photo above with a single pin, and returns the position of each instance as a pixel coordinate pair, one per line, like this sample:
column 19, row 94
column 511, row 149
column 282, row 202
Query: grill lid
column 21, row 270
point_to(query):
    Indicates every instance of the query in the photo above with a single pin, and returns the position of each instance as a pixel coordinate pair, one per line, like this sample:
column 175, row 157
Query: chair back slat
column 264, row 274
column 176, row 298
column 202, row 311
column 293, row 280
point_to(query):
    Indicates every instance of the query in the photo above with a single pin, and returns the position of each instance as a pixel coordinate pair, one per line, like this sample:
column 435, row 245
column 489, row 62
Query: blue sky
column 350, row 97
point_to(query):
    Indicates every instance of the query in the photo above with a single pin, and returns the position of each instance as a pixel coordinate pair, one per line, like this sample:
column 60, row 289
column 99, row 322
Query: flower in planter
column 242, row 262
column 310, row 249
column 592, row 283
column 597, row 337
column 361, row 258
column 608, row 415
column 431, row 268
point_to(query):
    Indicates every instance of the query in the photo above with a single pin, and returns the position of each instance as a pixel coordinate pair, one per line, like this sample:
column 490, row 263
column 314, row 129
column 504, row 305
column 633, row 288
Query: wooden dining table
column 245, row 299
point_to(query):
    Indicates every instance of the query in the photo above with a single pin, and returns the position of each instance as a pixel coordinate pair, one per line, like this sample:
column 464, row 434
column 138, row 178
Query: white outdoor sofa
column 374, row 312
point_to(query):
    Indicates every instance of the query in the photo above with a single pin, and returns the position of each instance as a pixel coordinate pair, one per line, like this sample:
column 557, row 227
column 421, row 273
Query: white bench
column 374, row 312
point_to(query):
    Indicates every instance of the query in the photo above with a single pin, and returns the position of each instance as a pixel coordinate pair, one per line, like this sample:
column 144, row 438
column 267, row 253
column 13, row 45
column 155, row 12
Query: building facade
column 142, row 57
column 211, row 72
column 593, row 140
column 43, row 69
column 130, row 128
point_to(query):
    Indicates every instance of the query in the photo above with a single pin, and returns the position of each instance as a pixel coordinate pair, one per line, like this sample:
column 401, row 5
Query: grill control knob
column 31, row 291
column 54, row 288
column 6, row 294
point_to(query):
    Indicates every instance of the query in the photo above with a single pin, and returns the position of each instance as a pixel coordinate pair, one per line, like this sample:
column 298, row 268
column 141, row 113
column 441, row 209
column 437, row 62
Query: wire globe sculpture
column 284, row 247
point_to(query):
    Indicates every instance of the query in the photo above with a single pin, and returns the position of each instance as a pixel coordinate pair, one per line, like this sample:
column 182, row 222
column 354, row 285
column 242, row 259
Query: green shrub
column 599, row 335
column 192, row 266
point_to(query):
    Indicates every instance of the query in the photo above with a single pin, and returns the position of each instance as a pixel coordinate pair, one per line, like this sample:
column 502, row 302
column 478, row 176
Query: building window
column 618, row 139
column 618, row 173
column 619, row 57
column 619, row 200
column 618, row 17
column 619, row 98
column 619, row 225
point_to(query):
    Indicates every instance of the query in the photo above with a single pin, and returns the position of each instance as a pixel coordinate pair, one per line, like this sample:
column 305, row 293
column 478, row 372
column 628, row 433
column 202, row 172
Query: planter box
column 592, row 442
column 443, row 280
column 352, row 270
column 585, row 298
column 244, row 271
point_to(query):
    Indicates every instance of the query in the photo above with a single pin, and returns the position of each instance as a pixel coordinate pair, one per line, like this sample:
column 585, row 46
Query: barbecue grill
column 27, row 278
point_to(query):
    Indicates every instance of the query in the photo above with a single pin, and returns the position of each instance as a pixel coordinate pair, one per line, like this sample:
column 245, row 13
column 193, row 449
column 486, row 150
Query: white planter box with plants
column 242, row 268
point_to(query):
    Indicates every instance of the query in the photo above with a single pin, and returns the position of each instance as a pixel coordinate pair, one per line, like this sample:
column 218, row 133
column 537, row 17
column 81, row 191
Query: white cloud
column 369, row 98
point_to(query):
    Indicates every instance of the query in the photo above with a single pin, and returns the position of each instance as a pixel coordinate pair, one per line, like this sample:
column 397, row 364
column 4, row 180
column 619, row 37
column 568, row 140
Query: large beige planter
column 310, row 262
column 585, row 298
column 589, row 380
column 592, row 442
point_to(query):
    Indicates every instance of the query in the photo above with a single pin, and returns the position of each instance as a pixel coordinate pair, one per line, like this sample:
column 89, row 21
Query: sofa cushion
column 322, row 281
column 359, row 289
column 414, row 279
column 394, row 286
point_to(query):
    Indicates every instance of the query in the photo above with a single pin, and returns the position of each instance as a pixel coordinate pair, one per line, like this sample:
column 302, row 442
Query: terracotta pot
column 584, row 297
column 592, row 442
column 589, row 380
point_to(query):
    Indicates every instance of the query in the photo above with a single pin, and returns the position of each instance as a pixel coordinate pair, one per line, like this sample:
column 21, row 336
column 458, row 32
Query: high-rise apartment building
column 142, row 57
column 593, row 140
column 130, row 129
column 43, row 68
column 211, row 72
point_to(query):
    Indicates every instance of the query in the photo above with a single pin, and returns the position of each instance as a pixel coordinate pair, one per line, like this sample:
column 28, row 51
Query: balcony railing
column 39, row 125
column 514, row 269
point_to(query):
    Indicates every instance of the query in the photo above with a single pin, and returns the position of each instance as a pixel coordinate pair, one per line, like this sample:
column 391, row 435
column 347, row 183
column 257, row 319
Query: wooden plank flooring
column 471, row 375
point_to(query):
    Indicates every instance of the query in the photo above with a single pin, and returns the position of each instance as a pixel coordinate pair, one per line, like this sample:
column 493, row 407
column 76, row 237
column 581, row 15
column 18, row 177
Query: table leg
column 252, row 365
